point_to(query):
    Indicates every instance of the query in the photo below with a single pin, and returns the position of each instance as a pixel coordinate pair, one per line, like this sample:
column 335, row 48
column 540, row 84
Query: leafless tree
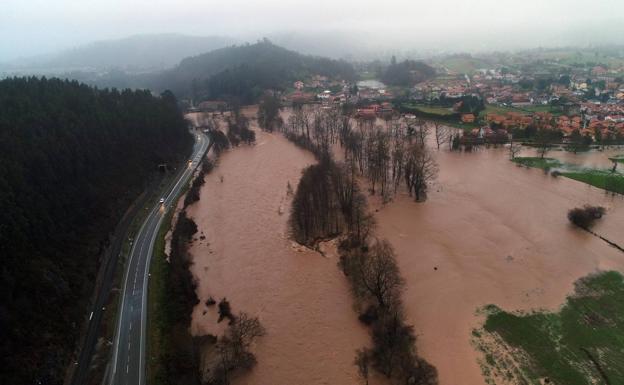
column 441, row 134
column 378, row 158
column 377, row 274
column 420, row 170
column 543, row 141
column 243, row 331
column 362, row 361
column 233, row 349
column 398, row 162
column 422, row 132
column 514, row 148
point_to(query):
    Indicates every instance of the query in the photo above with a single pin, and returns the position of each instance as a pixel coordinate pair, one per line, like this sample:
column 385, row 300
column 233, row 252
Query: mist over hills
column 137, row 53
column 243, row 71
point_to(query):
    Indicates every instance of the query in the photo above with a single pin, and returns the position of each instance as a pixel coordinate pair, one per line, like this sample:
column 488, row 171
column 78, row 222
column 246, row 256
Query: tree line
column 328, row 204
column 407, row 72
column 72, row 158
column 371, row 268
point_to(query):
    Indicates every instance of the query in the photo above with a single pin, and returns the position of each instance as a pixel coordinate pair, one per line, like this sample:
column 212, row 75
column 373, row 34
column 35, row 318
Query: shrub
column 586, row 216
column 225, row 311
column 369, row 316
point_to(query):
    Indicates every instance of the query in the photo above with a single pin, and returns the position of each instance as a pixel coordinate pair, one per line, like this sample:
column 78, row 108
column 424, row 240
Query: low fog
column 336, row 28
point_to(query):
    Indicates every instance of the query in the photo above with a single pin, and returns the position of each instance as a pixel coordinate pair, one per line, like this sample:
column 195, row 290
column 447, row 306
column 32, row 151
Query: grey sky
column 30, row 27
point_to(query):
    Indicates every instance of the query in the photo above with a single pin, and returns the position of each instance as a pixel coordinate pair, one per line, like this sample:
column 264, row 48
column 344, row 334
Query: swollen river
column 490, row 232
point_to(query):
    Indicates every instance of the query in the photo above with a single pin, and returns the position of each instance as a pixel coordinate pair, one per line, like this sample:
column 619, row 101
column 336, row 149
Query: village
column 487, row 102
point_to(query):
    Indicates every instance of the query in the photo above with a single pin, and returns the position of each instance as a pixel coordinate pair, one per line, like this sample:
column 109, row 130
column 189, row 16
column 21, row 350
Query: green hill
column 244, row 71
column 72, row 159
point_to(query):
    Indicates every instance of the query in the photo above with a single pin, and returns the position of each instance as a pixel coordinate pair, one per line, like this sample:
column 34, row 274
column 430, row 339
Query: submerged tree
column 544, row 140
column 442, row 134
column 268, row 113
column 420, row 170
column 586, row 216
column 362, row 361
column 232, row 350
column 376, row 274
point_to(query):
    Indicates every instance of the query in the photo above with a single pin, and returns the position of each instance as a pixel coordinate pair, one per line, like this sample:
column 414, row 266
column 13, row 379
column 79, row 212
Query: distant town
column 583, row 99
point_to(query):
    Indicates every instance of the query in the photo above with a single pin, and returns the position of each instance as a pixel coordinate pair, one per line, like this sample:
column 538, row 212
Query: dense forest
column 236, row 73
column 72, row 158
column 242, row 72
column 407, row 72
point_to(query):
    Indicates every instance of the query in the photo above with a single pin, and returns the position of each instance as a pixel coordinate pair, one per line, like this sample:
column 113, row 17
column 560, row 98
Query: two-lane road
column 128, row 360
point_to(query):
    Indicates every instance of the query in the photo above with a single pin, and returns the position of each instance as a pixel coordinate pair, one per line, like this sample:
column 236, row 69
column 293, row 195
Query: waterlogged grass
column 612, row 182
column 603, row 179
column 537, row 162
column 581, row 344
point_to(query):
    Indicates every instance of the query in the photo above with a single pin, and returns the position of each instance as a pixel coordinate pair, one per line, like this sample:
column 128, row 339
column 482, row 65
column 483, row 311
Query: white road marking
column 202, row 146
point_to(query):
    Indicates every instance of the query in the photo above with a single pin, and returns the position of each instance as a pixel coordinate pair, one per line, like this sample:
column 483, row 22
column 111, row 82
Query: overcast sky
column 29, row 27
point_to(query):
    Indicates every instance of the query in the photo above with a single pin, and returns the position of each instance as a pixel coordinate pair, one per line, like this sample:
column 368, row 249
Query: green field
column 496, row 109
column 442, row 111
column 463, row 65
column 581, row 344
column 537, row 162
column 613, row 182
column 603, row 179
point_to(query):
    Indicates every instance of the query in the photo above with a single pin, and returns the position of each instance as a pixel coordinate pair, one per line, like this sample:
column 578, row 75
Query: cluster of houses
column 374, row 111
column 588, row 100
column 330, row 92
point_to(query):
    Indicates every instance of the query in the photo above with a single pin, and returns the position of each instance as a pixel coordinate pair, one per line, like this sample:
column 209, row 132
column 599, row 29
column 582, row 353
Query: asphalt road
column 80, row 376
column 128, row 361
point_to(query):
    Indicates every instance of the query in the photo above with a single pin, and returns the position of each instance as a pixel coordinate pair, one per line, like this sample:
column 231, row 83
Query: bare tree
column 378, row 158
column 544, row 141
column 362, row 361
column 243, row 331
column 233, row 349
column 268, row 113
column 441, row 134
column 420, row 170
column 377, row 274
column 422, row 132
column 514, row 148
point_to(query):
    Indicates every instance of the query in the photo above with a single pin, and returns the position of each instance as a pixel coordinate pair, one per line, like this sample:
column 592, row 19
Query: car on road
column 162, row 201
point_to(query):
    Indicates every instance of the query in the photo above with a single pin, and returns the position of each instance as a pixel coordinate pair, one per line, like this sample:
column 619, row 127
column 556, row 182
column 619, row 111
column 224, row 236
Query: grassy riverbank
column 581, row 344
column 603, row 179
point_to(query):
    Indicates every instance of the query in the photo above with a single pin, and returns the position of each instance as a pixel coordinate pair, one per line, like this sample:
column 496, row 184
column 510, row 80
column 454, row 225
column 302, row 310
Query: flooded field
column 492, row 232
column 301, row 297
column 588, row 159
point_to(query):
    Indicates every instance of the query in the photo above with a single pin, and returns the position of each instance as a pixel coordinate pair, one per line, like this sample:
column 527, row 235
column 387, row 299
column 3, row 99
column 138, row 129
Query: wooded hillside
column 72, row 158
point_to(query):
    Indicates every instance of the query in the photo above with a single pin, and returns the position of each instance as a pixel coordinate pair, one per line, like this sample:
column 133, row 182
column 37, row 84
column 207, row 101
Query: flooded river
column 301, row 297
column 584, row 159
column 492, row 232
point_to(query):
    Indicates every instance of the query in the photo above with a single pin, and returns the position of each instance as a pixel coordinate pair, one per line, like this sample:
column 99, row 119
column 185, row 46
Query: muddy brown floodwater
column 301, row 297
column 492, row 232
column 589, row 159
